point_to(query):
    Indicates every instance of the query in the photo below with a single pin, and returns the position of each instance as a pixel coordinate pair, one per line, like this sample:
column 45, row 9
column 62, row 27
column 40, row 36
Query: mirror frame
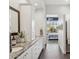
column 14, row 33
column 18, row 12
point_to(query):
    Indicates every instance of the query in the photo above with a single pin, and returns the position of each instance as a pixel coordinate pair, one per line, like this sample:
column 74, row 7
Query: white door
column 62, row 34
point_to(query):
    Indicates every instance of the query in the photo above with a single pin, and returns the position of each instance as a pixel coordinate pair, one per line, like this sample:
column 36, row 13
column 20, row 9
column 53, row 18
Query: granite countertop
column 20, row 48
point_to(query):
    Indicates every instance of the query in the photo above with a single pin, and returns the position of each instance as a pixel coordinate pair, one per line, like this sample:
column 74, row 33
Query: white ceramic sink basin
column 15, row 49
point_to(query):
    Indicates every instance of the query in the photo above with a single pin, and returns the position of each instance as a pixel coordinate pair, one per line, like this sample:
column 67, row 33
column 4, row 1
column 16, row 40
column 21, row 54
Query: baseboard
column 53, row 39
column 67, row 52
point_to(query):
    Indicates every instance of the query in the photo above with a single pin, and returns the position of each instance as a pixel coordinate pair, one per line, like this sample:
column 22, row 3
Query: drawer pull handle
column 26, row 54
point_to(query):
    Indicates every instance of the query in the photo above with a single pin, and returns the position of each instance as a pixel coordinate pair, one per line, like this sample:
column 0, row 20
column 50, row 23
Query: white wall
column 62, row 34
column 26, row 21
column 57, row 9
column 39, row 17
column 27, row 15
column 40, row 23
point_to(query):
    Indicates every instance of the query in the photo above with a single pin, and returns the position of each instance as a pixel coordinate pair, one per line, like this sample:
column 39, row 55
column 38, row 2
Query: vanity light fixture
column 67, row 0
column 35, row 4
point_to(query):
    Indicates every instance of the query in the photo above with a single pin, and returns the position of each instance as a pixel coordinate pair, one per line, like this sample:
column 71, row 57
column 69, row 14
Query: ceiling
column 48, row 2
column 57, row 2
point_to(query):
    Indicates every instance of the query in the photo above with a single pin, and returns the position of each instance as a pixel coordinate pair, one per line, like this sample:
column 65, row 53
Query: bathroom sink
column 15, row 49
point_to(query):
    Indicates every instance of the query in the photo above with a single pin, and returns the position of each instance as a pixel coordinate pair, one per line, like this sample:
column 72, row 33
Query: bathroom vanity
column 29, row 50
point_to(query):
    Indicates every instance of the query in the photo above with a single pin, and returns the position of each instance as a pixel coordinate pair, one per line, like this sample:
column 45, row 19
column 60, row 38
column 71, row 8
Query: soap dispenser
column 13, row 41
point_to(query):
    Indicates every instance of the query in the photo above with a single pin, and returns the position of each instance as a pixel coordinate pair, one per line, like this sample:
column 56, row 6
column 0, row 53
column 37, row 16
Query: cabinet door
column 21, row 56
column 34, row 51
column 39, row 47
column 28, row 54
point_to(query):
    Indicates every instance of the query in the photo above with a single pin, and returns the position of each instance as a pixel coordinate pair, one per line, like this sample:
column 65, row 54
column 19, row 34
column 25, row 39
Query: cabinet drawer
column 25, row 55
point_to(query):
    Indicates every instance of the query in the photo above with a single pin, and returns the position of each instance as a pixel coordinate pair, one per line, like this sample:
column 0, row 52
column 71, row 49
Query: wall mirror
column 14, row 20
column 14, row 23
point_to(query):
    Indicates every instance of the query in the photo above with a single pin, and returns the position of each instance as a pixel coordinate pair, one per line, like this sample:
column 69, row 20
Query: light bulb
column 36, row 4
column 66, row 0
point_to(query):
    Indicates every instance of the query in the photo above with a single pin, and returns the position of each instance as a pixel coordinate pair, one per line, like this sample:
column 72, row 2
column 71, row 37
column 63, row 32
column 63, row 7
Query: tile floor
column 52, row 51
